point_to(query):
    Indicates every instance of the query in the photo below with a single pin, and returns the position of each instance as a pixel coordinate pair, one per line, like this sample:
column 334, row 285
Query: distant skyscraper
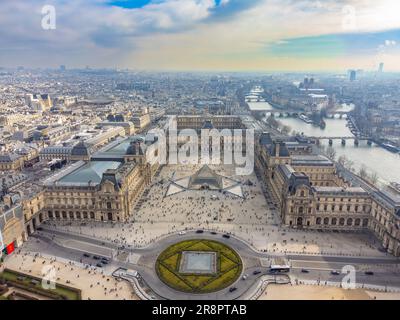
column 381, row 65
column 353, row 75
column 62, row 68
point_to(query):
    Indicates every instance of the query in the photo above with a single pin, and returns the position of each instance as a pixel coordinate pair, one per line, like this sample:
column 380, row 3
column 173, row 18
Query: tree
column 373, row 178
column 286, row 130
column 273, row 122
column 330, row 153
column 349, row 165
column 363, row 172
column 342, row 160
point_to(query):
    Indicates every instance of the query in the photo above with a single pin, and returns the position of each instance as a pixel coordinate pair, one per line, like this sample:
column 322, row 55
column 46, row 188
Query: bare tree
column 373, row 178
column 330, row 153
column 349, row 165
column 363, row 172
column 286, row 130
column 342, row 160
column 273, row 122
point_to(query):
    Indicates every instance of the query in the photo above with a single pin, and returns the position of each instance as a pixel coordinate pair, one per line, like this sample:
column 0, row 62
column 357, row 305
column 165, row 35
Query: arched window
column 357, row 222
column 302, row 194
column 318, row 221
column 349, row 222
column 301, row 210
column 326, row 221
column 365, row 222
column 334, row 221
column 341, row 221
column 300, row 221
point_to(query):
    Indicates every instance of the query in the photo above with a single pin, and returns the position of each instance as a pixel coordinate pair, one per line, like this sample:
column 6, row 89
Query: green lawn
column 60, row 292
column 229, row 267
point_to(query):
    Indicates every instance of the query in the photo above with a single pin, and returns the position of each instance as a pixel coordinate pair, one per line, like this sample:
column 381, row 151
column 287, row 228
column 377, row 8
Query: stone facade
column 311, row 194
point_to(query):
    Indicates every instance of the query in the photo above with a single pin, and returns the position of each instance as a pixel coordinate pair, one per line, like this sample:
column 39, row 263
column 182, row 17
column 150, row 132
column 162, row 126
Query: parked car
column 213, row 233
column 86, row 255
column 369, row 273
column 199, row 231
column 305, row 271
column 256, row 272
column 99, row 265
column 227, row 236
column 181, row 233
column 335, row 272
column 96, row 258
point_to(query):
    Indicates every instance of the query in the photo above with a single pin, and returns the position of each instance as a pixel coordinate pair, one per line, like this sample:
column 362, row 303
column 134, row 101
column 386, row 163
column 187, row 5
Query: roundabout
column 198, row 266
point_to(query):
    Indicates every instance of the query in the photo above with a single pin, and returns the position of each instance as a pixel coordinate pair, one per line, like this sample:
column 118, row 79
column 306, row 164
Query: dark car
column 99, row 265
column 199, row 231
column 86, row 255
column 105, row 259
column 233, row 289
column 39, row 229
column 213, row 233
column 96, row 258
column 227, row 236
column 256, row 272
column 369, row 273
column 305, row 271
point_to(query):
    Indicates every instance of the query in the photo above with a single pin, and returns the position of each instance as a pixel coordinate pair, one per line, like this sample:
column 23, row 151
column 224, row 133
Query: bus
column 279, row 265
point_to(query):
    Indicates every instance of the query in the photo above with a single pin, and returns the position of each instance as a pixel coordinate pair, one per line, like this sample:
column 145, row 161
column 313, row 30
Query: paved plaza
column 252, row 219
column 159, row 223
column 94, row 283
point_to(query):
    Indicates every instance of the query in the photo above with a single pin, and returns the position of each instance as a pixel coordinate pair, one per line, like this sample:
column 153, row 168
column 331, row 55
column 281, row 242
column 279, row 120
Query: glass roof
column 90, row 172
column 120, row 148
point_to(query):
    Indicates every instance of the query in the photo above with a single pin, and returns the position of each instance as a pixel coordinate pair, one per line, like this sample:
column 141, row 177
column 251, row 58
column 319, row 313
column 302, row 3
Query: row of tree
column 273, row 123
column 363, row 173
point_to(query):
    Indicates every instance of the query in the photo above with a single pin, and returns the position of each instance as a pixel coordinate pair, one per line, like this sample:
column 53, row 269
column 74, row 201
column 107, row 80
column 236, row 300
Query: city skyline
column 204, row 35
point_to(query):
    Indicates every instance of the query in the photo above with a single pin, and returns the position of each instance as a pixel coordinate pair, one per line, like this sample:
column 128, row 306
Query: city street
column 72, row 247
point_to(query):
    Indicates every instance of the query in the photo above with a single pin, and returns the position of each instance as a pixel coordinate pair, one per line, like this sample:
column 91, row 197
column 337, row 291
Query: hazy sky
column 232, row 35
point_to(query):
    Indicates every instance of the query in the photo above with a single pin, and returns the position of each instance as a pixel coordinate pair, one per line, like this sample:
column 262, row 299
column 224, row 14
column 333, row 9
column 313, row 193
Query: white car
column 181, row 233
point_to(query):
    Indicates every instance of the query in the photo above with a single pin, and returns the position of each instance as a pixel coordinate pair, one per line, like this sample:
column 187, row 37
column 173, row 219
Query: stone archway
column 299, row 221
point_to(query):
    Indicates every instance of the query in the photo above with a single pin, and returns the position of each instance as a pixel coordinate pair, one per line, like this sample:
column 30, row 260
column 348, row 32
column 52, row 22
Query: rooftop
column 311, row 160
column 89, row 173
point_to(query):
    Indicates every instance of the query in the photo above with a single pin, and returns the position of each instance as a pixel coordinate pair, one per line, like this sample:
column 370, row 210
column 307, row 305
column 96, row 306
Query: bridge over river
column 344, row 139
